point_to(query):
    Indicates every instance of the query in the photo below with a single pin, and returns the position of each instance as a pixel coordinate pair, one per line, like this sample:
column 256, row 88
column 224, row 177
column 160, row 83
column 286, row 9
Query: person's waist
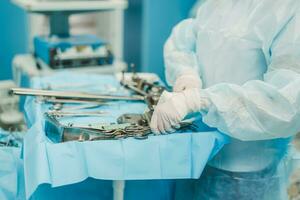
column 239, row 156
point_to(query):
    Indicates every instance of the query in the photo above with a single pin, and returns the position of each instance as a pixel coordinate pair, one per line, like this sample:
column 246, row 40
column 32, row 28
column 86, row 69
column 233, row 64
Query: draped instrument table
column 58, row 165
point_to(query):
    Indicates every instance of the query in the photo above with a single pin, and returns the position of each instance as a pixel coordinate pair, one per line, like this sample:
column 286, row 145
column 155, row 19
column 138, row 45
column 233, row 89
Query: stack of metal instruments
column 127, row 125
column 91, row 132
column 9, row 143
column 11, row 139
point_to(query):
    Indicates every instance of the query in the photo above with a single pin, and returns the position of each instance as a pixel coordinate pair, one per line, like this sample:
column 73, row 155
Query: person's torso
column 234, row 38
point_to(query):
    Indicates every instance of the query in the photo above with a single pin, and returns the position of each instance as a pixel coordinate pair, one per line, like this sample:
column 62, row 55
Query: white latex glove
column 173, row 107
column 187, row 80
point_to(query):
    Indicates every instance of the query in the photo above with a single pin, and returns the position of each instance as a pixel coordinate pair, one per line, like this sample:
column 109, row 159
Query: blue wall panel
column 13, row 36
column 159, row 17
column 133, row 33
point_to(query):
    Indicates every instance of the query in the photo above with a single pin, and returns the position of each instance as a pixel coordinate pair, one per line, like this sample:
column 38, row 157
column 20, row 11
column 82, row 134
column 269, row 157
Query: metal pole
column 59, row 24
column 119, row 188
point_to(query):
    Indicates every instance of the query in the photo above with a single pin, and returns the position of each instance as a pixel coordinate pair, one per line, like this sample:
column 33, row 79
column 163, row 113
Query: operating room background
column 13, row 36
column 147, row 26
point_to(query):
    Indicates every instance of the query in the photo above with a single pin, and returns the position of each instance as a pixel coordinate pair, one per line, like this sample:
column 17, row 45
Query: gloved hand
column 187, row 80
column 173, row 107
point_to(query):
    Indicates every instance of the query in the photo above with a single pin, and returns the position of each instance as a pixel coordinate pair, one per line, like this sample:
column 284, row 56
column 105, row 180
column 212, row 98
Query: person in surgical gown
column 237, row 64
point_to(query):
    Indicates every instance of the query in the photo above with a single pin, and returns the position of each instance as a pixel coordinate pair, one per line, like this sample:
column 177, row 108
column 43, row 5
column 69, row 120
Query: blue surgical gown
column 247, row 53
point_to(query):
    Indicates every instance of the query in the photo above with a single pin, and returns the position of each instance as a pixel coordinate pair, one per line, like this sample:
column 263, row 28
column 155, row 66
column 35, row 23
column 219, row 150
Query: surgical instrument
column 72, row 101
column 73, row 95
column 76, row 114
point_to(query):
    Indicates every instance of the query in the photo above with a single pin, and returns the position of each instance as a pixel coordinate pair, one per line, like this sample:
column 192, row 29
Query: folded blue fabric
column 174, row 156
column 11, row 170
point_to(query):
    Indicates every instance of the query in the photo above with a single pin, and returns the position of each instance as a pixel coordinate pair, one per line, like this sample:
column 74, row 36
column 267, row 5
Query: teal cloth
column 11, row 170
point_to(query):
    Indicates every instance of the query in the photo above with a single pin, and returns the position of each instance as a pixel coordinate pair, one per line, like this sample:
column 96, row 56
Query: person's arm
column 265, row 109
column 179, row 55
